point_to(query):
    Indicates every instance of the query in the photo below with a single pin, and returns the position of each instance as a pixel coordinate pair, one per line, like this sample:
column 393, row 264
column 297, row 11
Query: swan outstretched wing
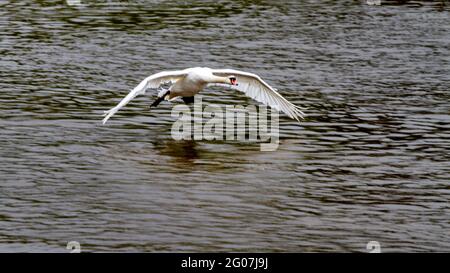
column 254, row 87
column 153, row 81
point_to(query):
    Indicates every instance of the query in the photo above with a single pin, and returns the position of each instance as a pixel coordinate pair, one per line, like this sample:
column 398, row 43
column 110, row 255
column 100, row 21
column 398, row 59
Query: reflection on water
column 371, row 162
column 182, row 152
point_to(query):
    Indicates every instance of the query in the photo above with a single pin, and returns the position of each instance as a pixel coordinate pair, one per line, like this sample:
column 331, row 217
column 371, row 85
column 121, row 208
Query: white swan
column 188, row 82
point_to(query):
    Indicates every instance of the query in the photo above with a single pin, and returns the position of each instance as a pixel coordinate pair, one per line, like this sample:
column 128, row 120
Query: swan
column 188, row 82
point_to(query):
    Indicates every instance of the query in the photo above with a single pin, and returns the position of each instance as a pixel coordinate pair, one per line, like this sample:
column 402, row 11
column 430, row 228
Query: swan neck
column 218, row 79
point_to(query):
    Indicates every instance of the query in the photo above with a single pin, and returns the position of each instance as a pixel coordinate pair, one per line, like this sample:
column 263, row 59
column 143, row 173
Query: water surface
column 371, row 162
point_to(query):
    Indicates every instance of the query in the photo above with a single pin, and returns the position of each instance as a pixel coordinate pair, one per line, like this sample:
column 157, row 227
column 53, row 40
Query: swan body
column 196, row 79
column 188, row 82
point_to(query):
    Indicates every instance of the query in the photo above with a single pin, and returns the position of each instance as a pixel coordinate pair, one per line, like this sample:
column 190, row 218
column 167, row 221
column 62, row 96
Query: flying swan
column 188, row 82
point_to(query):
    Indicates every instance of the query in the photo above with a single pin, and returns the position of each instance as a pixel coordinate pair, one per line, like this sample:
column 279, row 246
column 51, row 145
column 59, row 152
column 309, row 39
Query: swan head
column 232, row 80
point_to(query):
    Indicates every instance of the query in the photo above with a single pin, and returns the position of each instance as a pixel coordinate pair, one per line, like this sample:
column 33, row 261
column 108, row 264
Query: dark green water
column 371, row 162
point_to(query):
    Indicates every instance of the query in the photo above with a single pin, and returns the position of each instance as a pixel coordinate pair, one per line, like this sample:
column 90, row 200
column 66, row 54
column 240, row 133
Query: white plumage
column 190, row 81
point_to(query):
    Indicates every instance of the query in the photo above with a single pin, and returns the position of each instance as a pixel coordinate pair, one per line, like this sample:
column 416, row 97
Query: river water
column 370, row 162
